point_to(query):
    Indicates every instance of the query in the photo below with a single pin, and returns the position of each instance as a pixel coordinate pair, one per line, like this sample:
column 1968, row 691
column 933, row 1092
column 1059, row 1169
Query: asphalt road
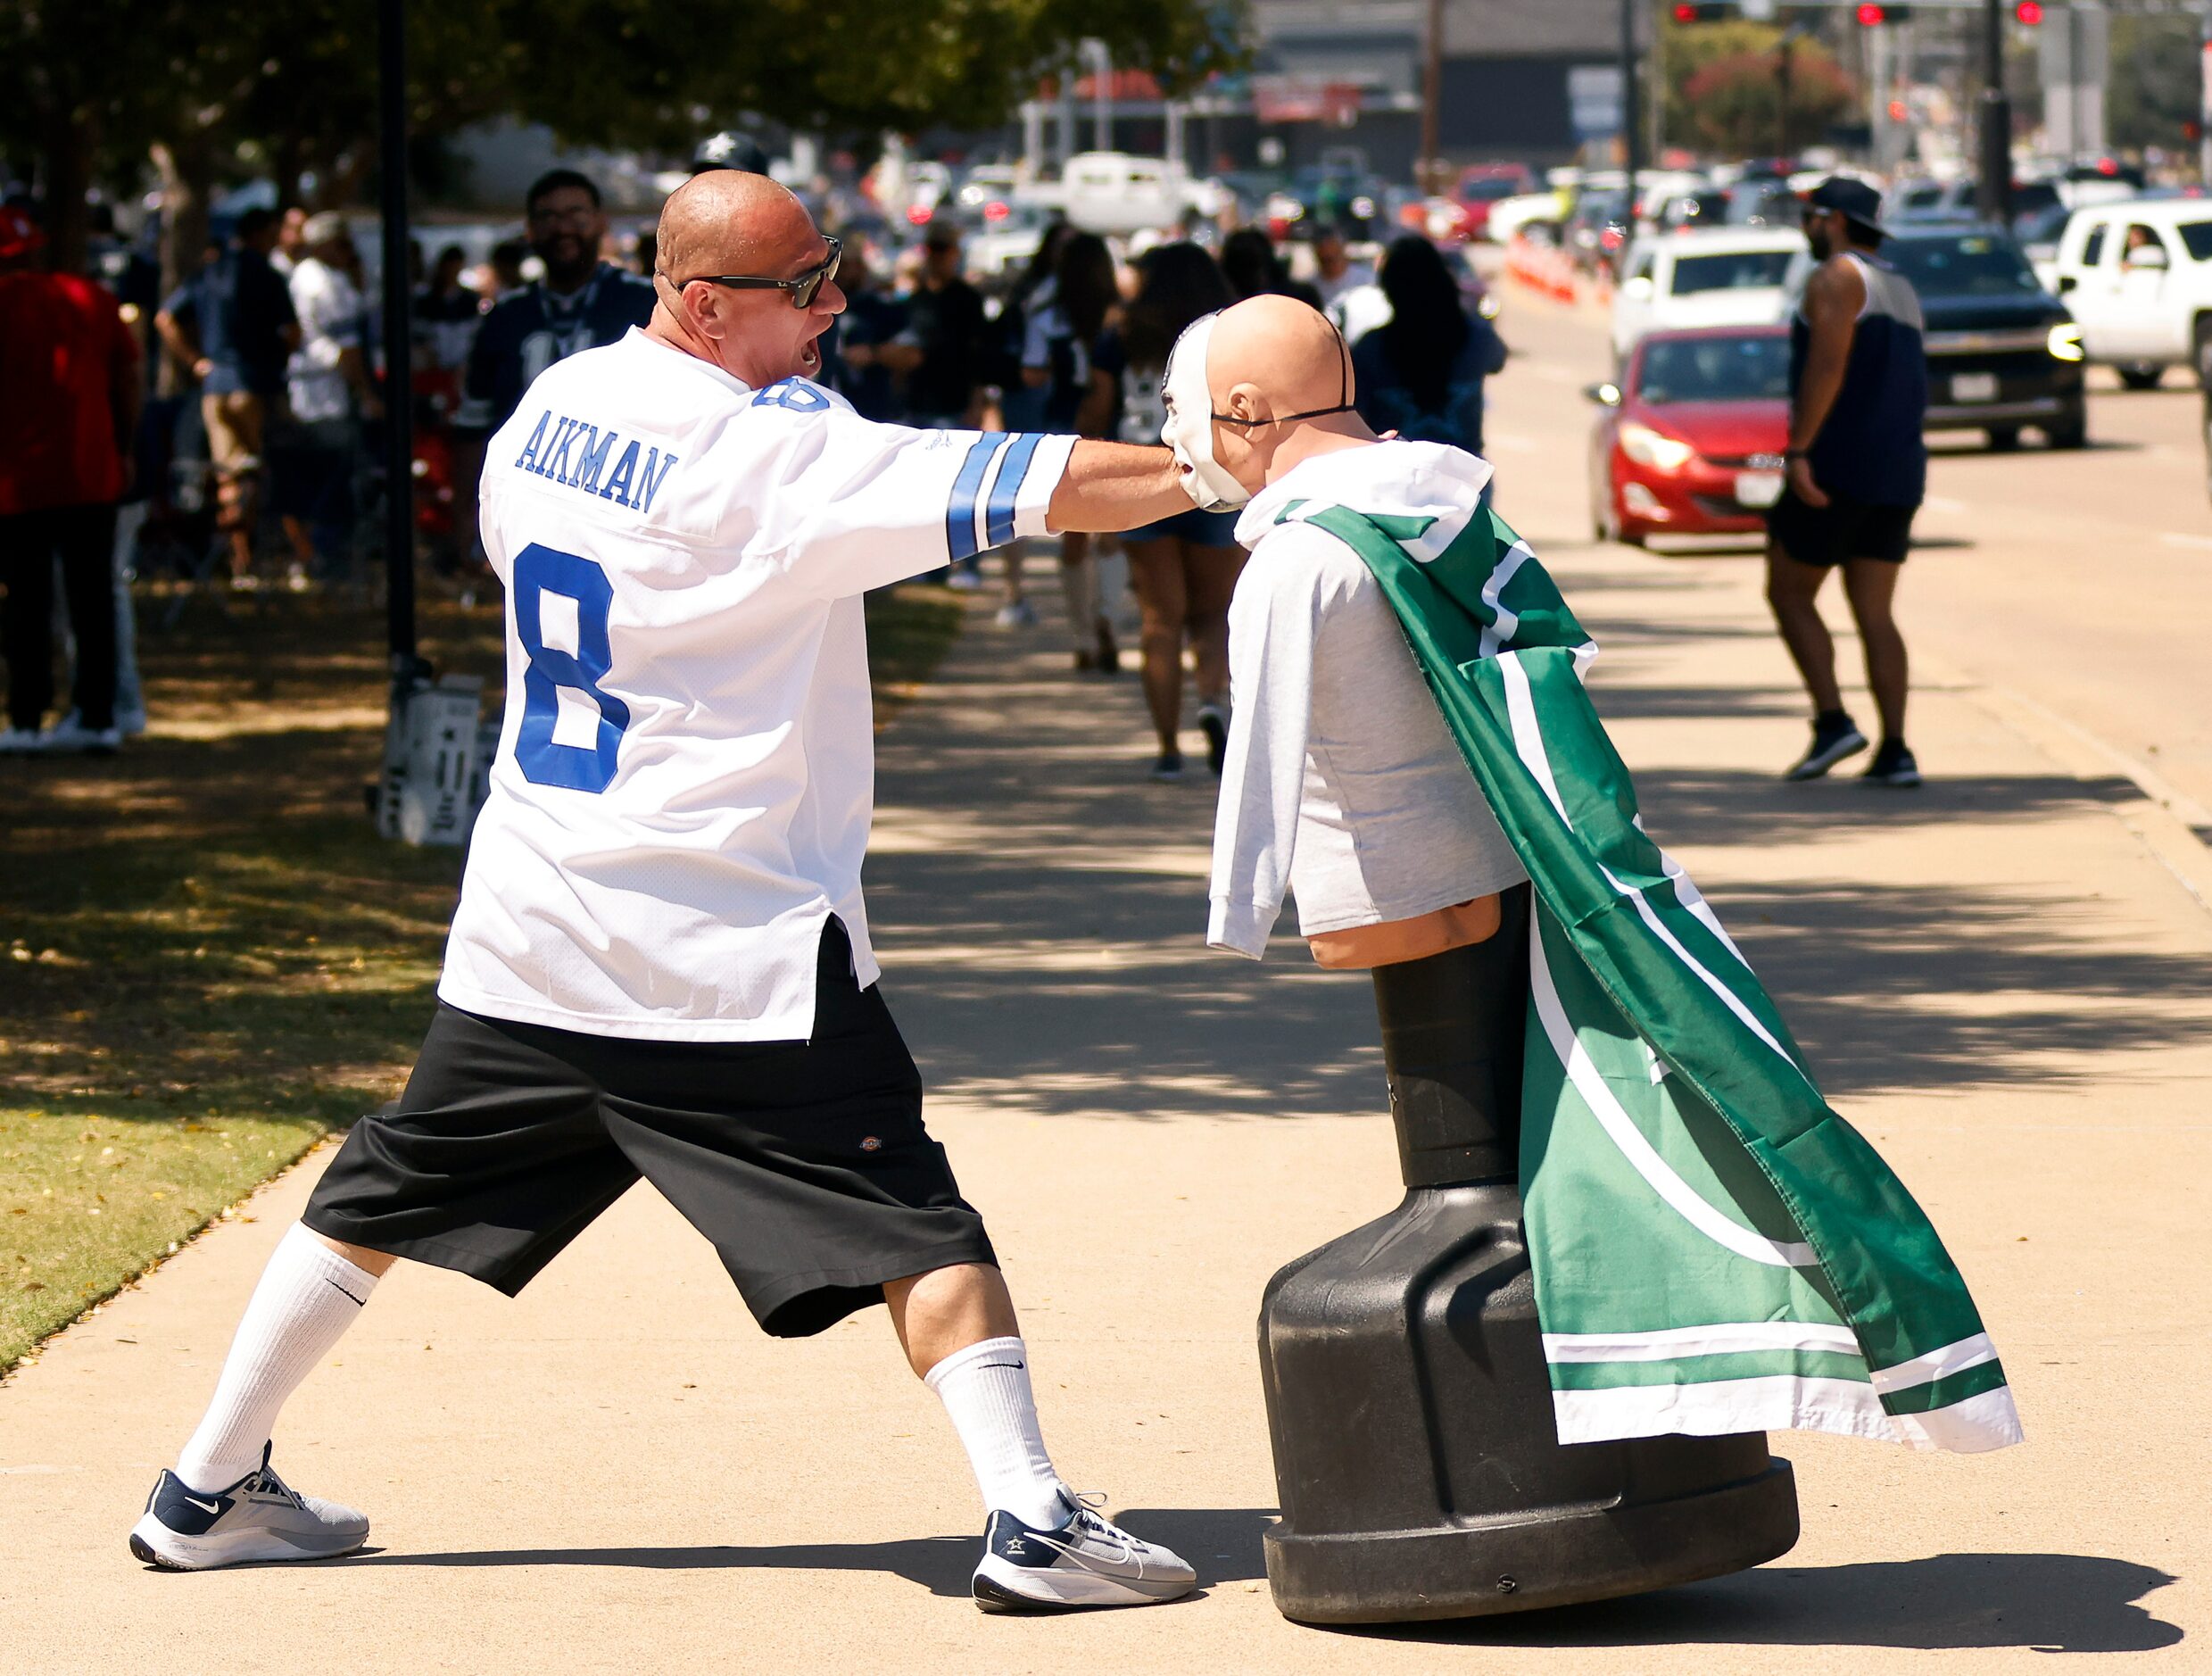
column 2079, row 582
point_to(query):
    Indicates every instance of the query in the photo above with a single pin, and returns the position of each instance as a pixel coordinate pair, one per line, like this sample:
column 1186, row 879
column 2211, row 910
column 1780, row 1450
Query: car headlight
column 2065, row 342
column 1655, row 448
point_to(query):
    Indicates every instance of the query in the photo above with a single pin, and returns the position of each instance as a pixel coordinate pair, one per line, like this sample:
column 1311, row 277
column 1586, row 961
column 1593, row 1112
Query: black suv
column 2003, row 353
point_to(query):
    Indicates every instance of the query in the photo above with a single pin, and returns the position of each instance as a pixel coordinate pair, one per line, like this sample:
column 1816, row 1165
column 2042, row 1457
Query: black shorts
column 1839, row 531
column 805, row 1163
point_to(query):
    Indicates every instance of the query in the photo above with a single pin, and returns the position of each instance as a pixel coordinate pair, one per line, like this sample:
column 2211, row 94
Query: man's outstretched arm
column 1116, row 486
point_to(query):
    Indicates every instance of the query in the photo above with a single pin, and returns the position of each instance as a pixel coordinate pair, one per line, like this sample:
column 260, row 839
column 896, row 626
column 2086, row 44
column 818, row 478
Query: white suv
column 2137, row 277
column 1728, row 277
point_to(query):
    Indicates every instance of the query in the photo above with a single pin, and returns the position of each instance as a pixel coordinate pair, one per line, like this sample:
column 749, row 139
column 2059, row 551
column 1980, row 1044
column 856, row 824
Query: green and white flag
column 1715, row 1250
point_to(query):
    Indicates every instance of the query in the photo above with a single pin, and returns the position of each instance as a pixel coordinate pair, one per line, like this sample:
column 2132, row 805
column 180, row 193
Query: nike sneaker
column 260, row 1518
column 1214, row 725
column 1893, row 764
column 1833, row 738
column 1088, row 1561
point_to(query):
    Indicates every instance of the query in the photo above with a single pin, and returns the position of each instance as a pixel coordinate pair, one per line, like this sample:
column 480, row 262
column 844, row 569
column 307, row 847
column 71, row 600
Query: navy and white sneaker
column 260, row 1518
column 1834, row 736
column 1214, row 722
column 1088, row 1561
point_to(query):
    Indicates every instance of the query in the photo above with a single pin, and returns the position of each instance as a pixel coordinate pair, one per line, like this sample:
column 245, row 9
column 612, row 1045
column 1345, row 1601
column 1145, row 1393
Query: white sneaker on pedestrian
column 1017, row 614
column 21, row 742
column 258, row 1518
column 1088, row 1561
column 73, row 738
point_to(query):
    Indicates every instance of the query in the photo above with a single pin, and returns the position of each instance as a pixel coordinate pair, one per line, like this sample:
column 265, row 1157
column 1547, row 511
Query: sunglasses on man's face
column 803, row 290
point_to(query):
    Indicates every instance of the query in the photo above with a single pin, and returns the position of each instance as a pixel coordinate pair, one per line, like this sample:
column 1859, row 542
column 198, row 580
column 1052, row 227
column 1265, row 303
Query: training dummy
column 1632, row 1221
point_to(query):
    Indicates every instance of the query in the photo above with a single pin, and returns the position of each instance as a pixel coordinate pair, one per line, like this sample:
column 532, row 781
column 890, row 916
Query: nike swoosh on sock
column 364, row 1302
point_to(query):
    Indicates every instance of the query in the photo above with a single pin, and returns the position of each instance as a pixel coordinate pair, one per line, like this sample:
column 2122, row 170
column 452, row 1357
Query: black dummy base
column 1407, row 1398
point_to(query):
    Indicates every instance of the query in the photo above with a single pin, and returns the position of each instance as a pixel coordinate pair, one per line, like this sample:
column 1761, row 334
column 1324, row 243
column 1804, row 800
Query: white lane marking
column 2174, row 538
column 1943, row 503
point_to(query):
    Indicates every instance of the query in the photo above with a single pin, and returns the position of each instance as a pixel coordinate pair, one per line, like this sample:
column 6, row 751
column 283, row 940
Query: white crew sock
column 1079, row 587
column 307, row 1296
column 985, row 1389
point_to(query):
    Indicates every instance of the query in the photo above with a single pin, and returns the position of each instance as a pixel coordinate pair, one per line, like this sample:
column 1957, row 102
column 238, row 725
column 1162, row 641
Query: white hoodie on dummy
column 1342, row 782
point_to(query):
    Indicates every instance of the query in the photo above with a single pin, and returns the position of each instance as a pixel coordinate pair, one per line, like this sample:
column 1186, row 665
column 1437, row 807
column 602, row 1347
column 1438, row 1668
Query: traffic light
column 2029, row 12
column 1704, row 13
column 1873, row 16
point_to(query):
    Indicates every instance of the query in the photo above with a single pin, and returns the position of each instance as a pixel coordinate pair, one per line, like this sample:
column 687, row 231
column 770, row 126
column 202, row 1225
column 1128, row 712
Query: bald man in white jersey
column 660, row 963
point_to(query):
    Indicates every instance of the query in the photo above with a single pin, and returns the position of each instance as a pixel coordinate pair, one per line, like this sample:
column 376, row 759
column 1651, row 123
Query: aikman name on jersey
column 576, row 455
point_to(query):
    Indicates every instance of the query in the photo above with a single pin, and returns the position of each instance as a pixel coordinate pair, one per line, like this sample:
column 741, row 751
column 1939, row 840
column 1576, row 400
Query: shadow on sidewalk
column 1222, row 1543
column 2053, row 1603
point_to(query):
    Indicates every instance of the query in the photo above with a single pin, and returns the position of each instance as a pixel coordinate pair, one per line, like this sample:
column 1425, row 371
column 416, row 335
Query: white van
column 2137, row 277
column 1114, row 193
column 1725, row 276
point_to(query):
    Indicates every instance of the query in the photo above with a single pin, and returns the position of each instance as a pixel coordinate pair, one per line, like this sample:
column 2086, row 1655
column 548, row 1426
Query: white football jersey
column 686, row 773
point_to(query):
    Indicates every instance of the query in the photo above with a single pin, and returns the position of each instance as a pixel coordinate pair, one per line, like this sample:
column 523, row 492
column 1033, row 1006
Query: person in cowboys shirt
column 660, row 964
column 580, row 304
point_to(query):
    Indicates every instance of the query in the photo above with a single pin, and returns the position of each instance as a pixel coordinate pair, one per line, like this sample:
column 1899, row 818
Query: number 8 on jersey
column 562, row 602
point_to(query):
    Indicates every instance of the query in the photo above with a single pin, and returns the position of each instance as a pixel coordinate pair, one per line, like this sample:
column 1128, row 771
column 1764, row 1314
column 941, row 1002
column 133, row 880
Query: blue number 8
column 539, row 570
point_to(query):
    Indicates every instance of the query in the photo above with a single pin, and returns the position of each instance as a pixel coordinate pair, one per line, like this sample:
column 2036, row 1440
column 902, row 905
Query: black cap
column 1853, row 200
column 941, row 235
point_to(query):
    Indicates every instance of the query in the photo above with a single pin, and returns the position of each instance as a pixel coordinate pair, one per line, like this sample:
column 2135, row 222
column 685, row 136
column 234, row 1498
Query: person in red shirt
column 69, row 368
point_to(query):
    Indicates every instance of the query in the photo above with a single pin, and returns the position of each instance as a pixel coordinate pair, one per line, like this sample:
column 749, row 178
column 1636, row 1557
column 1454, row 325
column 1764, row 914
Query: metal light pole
column 1431, row 171
column 1631, row 120
column 1992, row 195
column 399, row 441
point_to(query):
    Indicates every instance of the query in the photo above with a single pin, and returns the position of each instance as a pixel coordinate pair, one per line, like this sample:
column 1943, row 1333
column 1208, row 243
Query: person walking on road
column 1857, row 472
column 948, row 334
column 233, row 329
column 69, row 368
column 1420, row 375
column 660, row 963
column 1184, row 567
column 331, row 392
column 1055, row 368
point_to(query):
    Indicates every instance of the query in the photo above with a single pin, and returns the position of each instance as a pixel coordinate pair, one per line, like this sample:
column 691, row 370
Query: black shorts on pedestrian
column 1841, row 530
column 805, row 1163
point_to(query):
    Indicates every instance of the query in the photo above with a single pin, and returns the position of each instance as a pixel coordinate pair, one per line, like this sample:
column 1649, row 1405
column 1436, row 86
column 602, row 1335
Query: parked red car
column 1482, row 184
column 1692, row 439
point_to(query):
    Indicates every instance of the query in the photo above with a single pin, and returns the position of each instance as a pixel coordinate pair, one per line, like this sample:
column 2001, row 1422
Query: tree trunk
column 71, row 144
column 187, row 171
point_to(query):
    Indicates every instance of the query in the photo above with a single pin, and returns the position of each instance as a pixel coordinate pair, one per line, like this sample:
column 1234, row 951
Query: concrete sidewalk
column 1998, row 979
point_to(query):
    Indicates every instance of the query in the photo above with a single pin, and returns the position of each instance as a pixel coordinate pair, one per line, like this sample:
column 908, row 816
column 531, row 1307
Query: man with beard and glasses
column 581, row 303
column 1858, row 468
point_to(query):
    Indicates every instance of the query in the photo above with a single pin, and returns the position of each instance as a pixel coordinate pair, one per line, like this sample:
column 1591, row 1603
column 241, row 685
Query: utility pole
column 1993, row 197
column 1782, row 92
column 399, row 441
column 1431, row 170
column 1631, row 119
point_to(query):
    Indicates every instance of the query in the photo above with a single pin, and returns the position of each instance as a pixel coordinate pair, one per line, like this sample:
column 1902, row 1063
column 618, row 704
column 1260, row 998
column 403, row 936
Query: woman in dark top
column 1185, row 566
column 1255, row 267
column 1065, row 321
column 1421, row 374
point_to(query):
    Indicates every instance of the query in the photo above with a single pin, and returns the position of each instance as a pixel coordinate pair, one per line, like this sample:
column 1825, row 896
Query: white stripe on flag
column 1528, row 745
column 1494, row 637
column 1722, row 1407
column 1725, row 1338
column 1922, row 1370
column 1641, row 1155
column 1982, row 1422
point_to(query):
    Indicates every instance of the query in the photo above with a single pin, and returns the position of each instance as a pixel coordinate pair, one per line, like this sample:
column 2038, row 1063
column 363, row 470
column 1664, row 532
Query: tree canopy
column 89, row 85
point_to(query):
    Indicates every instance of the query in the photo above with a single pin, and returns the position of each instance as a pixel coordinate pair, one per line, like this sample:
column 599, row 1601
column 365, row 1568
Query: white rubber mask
column 1188, row 428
